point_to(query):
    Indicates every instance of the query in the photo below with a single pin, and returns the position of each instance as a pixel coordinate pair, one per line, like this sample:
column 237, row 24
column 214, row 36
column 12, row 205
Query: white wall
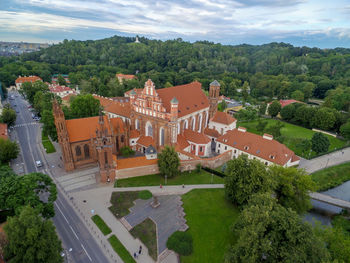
column 222, row 128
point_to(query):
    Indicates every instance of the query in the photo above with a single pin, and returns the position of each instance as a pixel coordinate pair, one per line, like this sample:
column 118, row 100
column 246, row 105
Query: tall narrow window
column 106, row 158
column 161, row 136
column 86, row 151
column 78, row 150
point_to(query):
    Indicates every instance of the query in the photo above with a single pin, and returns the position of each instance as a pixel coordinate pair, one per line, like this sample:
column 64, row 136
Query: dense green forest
column 272, row 70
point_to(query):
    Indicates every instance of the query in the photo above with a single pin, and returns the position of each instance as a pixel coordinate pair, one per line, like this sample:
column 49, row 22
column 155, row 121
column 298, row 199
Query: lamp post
column 166, row 179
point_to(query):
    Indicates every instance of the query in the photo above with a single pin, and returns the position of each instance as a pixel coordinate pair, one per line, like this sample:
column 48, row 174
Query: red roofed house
column 283, row 104
column 222, row 122
column 20, row 80
column 61, row 91
column 122, row 77
column 3, row 131
column 263, row 148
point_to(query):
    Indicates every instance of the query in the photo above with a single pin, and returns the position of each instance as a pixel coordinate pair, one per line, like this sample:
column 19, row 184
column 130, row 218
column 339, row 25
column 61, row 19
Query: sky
column 313, row 23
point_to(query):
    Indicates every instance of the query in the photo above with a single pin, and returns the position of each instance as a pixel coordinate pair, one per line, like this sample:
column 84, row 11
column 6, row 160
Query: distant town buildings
column 124, row 77
column 18, row 48
column 61, row 91
column 54, row 79
column 20, row 80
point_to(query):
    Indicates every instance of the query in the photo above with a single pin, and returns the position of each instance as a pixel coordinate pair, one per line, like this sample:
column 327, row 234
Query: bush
column 126, row 151
column 145, row 194
column 180, row 242
column 320, row 143
column 198, row 168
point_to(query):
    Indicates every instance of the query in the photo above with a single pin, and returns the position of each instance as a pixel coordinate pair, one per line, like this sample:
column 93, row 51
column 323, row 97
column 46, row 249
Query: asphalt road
column 79, row 244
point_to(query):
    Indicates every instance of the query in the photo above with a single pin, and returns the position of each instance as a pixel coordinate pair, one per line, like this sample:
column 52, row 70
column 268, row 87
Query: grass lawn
column 187, row 178
column 121, row 250
column 101, row 224
column 146, row 232
column 294, row 134
column 331, row 176
column 49, row 148
column 209, row 217
column 121, row 202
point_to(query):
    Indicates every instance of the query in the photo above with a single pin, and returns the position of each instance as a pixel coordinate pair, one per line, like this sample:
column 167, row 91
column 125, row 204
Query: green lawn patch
column 186, row 178
column 121, row 202
column 145, row 194
column 101, row 224
column 331, row 176
column 121, row 250
column 48, row 146
column 209, row 217
column 293, row 136
column 146, row 232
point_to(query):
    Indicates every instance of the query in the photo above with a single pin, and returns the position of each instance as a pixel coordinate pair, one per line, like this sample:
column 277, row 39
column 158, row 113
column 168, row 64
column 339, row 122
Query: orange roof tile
column 119, row 108
column 126, row 76
column 258, row 146
column 181, row 142
column 3, row 131
column 211, row 132
column 84, row 128
column 190, row 96
column 134, row 162
column 145, row 141
column 68, row 97
column 28, row 79
column 134, row 134
column 223, row 117
column 138, row 92
column 117, row 125
column 196, row 137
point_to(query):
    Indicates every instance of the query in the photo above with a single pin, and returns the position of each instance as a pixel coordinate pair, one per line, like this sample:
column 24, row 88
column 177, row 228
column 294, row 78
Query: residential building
column 124, row 77
column 20, row 80
column 61, row 91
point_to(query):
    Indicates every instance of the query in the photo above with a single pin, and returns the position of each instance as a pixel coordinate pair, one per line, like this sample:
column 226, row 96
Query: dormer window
column 272, row 156
column 246, row 147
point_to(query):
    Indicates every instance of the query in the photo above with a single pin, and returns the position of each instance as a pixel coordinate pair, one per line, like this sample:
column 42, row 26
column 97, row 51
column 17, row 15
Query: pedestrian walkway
column 25, row 124
column 78, row 179
column 327, row 160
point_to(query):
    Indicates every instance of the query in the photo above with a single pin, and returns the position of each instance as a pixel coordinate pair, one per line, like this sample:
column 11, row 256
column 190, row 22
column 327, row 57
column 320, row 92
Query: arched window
column 193, row 123
column 178, row 128
column 78, row 150
column 161, row 136
column 86, row 151
column 137, row 124
column 186, row 124
column 199, row 123
column 149, row 129
column 122, row 138
column 205, row 119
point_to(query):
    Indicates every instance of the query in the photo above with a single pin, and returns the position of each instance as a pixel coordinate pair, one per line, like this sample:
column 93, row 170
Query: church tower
column 214, row 93
column 104, row 148
column 62, row 136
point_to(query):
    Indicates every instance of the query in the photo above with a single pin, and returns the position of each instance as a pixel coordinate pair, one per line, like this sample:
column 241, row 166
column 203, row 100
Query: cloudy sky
column 320, row 23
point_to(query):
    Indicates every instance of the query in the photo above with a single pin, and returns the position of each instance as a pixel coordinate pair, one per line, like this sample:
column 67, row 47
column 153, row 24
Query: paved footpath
column 324, row 161
column 97, row 199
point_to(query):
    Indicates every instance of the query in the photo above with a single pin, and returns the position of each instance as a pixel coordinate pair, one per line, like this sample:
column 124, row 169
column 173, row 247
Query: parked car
column 38, row 163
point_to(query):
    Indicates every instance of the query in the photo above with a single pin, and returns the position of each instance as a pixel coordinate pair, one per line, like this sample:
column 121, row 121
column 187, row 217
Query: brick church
column 181, row 116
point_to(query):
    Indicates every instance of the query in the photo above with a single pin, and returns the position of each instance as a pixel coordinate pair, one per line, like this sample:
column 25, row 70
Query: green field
column 101, row 224
column 121, row 250
column 186, row 178
column 48, row 146
column 331, row 176
column 293, row 136
column 209, row 217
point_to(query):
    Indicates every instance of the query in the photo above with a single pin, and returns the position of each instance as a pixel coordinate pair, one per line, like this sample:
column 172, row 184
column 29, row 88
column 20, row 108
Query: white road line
column 61, row 212
column 74, row 232
column 86, row 252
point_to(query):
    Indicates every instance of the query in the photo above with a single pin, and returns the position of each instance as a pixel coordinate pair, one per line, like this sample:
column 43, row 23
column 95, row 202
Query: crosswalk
column 25, row 124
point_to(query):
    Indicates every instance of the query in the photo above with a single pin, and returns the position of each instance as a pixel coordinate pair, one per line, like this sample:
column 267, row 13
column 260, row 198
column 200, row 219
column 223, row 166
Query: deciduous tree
column 8, row 116
column 8, row 150
column 168, row 162
column 274, row 108
column 319, row 143
column 84, row 106
column 287, row 112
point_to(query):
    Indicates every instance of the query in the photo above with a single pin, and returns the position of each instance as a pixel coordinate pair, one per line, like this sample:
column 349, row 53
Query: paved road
column 70, row 228
column 325, row 161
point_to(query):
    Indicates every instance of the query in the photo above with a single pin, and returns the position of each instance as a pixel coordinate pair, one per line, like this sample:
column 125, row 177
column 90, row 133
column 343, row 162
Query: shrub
column 145, row 194
column 180, row 242
column 198, row 168
column 126, row 151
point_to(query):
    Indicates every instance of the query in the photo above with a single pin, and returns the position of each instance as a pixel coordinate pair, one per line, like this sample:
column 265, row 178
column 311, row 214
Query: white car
column 38, row 163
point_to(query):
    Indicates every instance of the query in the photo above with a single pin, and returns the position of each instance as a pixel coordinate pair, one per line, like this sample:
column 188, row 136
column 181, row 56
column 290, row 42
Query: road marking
column 86, row 252
column 25, row 124
column 74, row 232
column 61, row 212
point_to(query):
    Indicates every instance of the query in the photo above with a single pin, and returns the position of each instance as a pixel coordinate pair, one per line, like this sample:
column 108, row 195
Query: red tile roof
column 223, row 117
column 287, row 102
column 190, row 96
column 257, row 146
column 116, row 107
column 134, row 134
column 84, row 128
column 182, row 143
column 145, row 141
column 126, row 76
column 28, row 79
column 3, row 131
column 134, row 162
column 117, row 125
column 68, row 97
column 195, row 137
column 58, row 88
column 138, row 92
column 211, row 132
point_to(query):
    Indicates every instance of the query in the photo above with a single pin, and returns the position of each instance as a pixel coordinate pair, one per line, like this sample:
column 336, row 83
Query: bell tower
column 104, row 148
column 62, row 135
column 214, row 93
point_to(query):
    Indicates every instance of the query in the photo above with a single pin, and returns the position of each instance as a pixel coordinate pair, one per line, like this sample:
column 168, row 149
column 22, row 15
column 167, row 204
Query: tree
column 222, row 106
column 247, row 114
column 319, row 143
column 275, row 129
column 49, row 127
column 292, row 188
column 323, row 119
column 32, row 239
column 261, row 125
column 168, row 162
column 304, row 115
column 8, row 150
column 84, row 106
column 304, row 145
column 345, row 130
column 18, row 191
column 244, row 178
column 287, row 112
column 61, row 80
column 274, row 108
column 268, row 232
column 298, row 95
column 245, row 90
column 8, row 116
